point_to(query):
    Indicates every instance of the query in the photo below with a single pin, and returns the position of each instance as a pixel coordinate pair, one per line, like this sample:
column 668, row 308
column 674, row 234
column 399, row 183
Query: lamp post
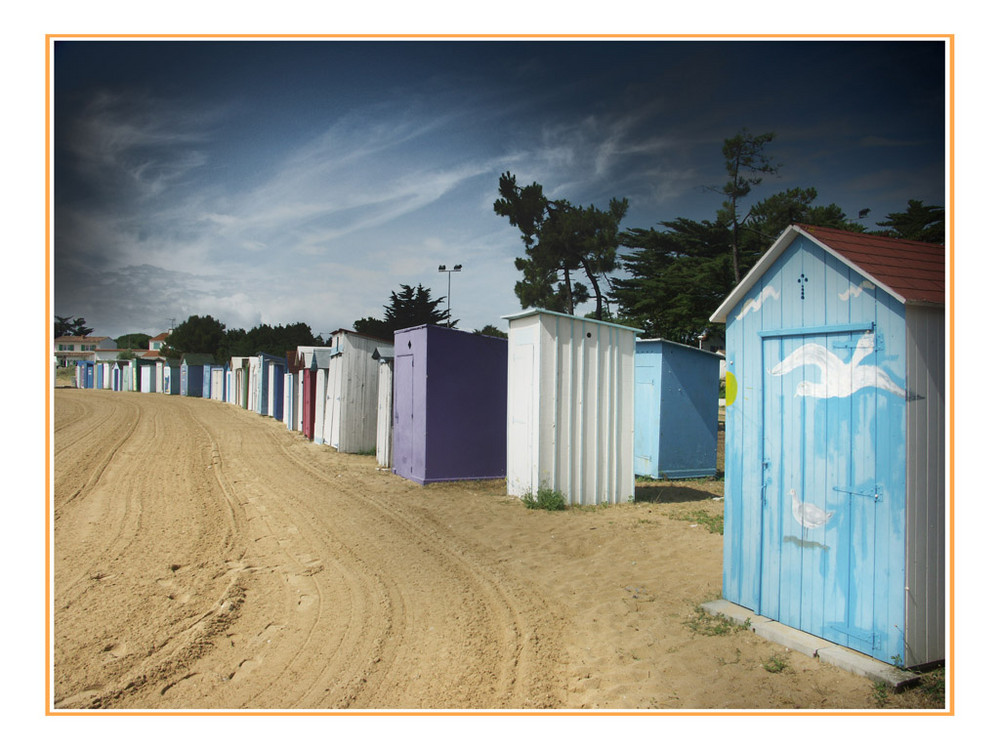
column 449, row 271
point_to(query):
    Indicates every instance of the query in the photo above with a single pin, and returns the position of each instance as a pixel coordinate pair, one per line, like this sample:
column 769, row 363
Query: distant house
column 156, row 342
column 72, row 349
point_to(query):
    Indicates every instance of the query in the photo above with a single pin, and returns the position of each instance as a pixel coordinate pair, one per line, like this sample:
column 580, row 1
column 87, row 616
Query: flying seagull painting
column 837, row 378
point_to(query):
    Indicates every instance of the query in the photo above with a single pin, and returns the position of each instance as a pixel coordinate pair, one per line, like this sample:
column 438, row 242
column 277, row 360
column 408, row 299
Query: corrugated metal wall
column 351, row 409
column 383, row 430
column 926, row 478
column 571, row 408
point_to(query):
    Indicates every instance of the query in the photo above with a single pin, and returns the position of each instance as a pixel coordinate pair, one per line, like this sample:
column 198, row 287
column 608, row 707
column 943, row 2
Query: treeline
column 203, row 334
column 677, row 273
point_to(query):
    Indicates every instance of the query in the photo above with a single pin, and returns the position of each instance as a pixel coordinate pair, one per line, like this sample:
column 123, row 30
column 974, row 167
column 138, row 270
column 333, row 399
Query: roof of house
column 82, row 339
column 912, row 272
column 161, row 337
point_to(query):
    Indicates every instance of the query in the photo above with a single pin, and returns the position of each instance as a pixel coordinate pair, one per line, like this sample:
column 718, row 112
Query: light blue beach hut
column 676, row 410
column 835, row 441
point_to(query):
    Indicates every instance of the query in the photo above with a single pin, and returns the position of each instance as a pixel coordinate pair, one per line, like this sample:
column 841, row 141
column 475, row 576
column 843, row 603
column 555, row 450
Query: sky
column 285, row 181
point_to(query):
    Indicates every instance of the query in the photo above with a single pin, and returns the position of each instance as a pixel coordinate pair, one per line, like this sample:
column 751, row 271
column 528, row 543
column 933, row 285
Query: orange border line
column 49, row 430
column 950, row 698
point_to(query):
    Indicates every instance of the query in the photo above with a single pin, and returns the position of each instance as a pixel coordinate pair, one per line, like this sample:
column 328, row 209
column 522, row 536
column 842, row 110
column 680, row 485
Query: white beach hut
column 570, row 407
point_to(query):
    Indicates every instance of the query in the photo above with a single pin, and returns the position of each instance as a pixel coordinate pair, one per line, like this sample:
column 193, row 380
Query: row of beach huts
column 567, row 403
column 835, row 410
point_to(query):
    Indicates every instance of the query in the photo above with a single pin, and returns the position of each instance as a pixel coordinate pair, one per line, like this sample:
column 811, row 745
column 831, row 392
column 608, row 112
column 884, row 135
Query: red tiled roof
column 82, row 339
column 914, row 270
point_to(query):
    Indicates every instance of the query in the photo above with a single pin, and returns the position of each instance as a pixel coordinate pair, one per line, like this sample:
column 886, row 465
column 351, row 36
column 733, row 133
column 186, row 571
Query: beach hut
column 835, row 441
column 676, row 410
column 172, row 376
column 570, row 407
column 351, row 408
column 450, row 405
column 146, row 371
column 384, row 355
column 275, row 387
column 102, row 373
column 217, row 382
column 84, row 374
column 292, row 404
column 193, row 374
column 240, row 368
column 315, row 365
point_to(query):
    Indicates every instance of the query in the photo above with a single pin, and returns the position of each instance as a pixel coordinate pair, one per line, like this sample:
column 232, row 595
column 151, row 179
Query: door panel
column 818, row 532
column 402, row 416
column 647, row 421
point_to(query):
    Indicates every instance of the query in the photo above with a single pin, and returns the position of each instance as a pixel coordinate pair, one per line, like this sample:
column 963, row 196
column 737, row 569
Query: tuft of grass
column 711, row 521
column 546, row 499
column 932, row 685
column 703, row 623
column 880, row 693
column 776, row 664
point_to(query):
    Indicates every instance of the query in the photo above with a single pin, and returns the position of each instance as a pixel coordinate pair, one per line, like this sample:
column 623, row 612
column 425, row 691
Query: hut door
column 334, row 386
column 522, row 463
column 402, row 416
column 647, row 421
column 818, row 546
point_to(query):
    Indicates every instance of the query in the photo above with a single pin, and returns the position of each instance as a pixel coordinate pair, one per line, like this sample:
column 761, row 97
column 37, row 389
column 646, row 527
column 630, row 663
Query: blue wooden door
column 820, row 538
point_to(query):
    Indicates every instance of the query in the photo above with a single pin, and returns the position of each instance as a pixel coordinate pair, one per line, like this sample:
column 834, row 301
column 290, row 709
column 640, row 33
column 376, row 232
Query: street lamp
column 449, row 271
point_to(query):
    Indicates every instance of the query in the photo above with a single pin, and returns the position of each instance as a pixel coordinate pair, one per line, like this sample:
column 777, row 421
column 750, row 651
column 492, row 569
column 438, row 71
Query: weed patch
column 546, row 499
column 777, row 663
column 703, row 623
column 712, row 522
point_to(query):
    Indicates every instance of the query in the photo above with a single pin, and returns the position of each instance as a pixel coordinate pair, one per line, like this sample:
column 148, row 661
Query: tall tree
column 680, row 272
column 917, row 222
column 747, row 164
column 768, row 218
column 75, row 327
column 560, row 238
column 137, row 341
column 678, row 276
column 276, row 340
column 199, row 334
column 491, row 330
column 411, row 306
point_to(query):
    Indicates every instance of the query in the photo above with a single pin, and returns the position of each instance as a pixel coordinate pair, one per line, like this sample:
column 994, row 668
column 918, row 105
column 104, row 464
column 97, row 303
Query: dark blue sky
column 285, row 181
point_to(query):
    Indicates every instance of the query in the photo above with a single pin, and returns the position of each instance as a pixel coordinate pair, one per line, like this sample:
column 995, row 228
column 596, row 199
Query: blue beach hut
column 835, row 441
column 193, row 374
column 676, row 410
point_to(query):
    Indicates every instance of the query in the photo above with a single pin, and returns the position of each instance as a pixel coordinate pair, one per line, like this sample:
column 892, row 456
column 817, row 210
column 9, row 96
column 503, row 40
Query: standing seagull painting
column 837, row 379
column 809, row 516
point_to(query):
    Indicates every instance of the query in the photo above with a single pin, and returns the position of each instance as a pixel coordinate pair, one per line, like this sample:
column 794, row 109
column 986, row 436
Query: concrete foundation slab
column 826, row 651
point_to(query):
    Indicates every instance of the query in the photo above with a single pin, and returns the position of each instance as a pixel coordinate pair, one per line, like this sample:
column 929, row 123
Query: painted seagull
column 808, row 515
column 836, row 377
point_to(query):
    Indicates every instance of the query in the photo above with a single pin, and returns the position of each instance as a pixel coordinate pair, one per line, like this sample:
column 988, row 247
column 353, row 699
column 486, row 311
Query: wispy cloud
column 137, row 144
